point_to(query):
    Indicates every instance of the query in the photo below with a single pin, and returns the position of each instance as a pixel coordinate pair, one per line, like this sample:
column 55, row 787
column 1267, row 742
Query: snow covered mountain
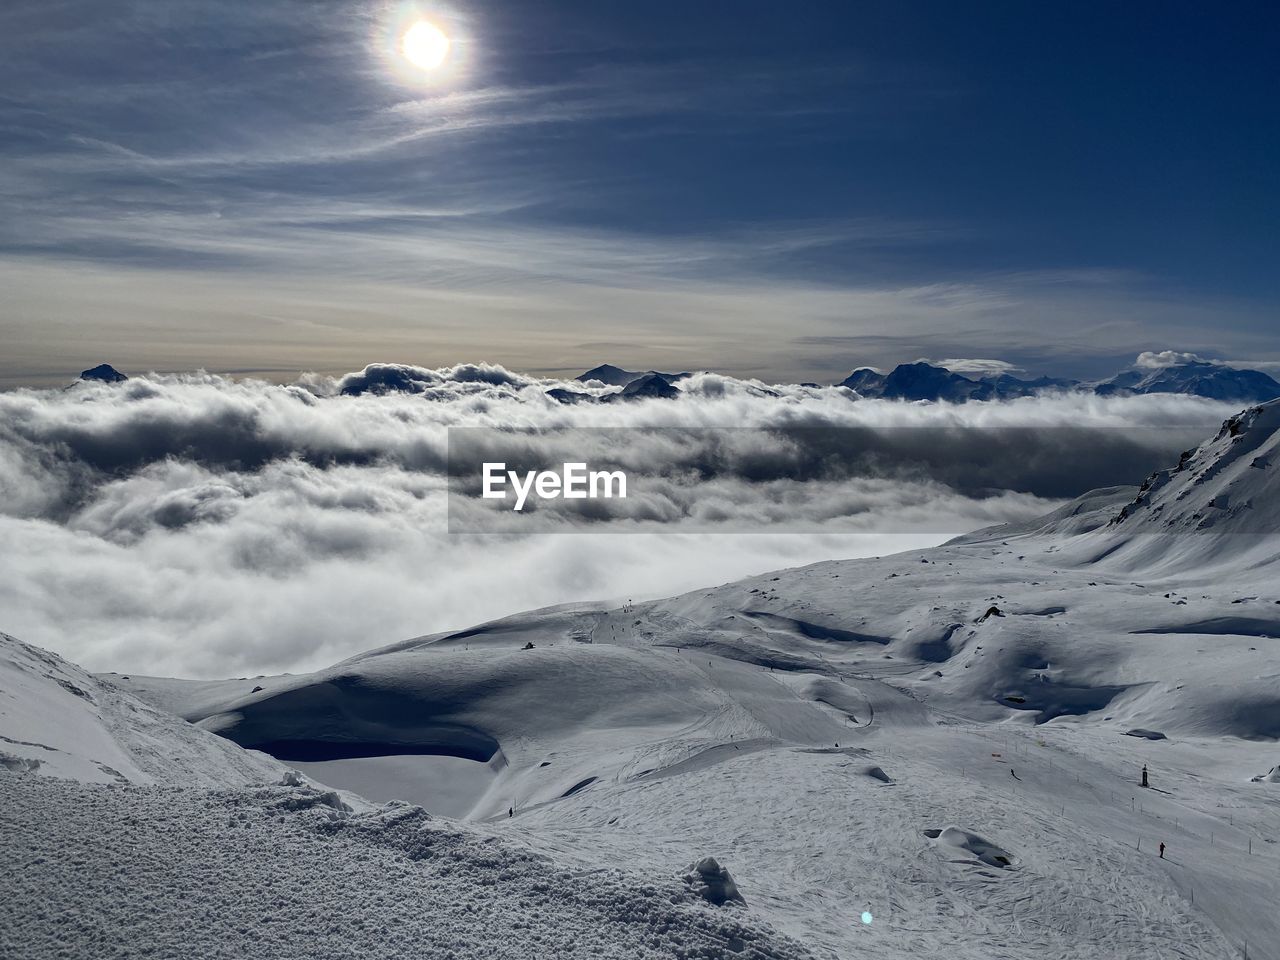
column 1197, row 378
column 925, row 381
column 635, row 386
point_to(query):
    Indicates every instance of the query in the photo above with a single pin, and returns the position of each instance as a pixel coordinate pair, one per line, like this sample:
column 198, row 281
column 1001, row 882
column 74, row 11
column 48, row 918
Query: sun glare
column 425, row 45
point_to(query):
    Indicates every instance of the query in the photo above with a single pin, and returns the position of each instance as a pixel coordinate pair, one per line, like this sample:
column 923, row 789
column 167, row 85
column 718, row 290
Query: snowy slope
column 112, row 813
column 947, row 739
column 748, row 768
column 1212, row 517
column 60, row 721
column 1229, row 485
column 282, row 872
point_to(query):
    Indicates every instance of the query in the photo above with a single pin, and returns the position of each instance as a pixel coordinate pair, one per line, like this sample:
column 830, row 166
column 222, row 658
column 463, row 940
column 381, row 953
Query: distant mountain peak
column 922, row 380
column 617, row 377
column 646, row 386
column 608, row 373
column 1196, row 377
column 103, row 373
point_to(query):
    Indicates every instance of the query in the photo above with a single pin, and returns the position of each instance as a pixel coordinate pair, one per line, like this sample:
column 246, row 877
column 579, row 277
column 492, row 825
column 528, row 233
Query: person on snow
column 1162, row 850
column 1144, row 776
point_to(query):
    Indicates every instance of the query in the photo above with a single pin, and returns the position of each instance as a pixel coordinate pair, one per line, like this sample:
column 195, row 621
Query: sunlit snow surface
column 938, row 738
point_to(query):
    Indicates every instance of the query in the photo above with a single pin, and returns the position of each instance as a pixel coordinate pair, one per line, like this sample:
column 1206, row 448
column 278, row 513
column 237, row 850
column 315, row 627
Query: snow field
column 173, row 872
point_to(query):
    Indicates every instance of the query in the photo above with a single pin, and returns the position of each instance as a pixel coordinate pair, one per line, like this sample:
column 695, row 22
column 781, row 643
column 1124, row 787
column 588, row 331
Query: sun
column 425, row 45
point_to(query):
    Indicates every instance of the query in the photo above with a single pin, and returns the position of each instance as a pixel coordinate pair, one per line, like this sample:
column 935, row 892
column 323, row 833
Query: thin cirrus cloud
column 404, row 197
column 185, row 182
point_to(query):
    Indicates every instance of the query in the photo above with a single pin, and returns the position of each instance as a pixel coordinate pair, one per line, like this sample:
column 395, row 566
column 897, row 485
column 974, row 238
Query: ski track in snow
column 814, row 841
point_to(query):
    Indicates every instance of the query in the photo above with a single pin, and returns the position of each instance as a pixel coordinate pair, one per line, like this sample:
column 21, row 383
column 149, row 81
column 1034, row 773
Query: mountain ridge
column 925, row 381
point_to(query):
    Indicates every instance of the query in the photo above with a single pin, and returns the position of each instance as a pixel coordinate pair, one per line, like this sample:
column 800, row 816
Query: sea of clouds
column 199, row 525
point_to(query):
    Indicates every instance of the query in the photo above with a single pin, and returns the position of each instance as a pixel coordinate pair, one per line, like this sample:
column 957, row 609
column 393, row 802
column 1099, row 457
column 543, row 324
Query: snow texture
column 63, row 722
column 278, row 872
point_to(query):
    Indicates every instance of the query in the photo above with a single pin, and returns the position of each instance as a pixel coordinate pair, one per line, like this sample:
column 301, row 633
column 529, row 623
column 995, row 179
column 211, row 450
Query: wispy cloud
column 977, row 366
column 184, row 180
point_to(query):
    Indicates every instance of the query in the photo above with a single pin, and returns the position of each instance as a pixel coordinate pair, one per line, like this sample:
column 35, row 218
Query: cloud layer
column 200, row 525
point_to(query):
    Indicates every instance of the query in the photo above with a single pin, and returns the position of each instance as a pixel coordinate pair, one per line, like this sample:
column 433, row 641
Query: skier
column 511, row 812
column 1162, row 850
column 1144, row 776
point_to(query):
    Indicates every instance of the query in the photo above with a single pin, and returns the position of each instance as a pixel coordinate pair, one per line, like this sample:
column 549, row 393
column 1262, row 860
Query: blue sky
column 785, row 192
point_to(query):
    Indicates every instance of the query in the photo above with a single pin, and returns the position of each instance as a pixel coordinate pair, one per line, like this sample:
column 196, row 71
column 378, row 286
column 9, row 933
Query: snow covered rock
column 992, row 611
column 876, row 773
column 1144, row 734
column 309, row 798
column 712, row 882
column 965, row 843
column 1271, row 776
